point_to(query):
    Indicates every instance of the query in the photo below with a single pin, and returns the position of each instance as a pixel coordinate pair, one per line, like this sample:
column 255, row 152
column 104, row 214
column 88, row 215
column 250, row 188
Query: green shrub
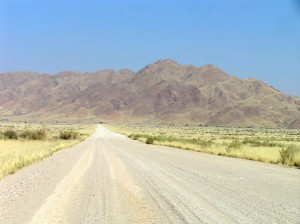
column 34, row 135
column 162, row 138
column 40, row 134
column 204, row 143
column 10, row 134
column 68, row 135
column 269, row 144
column 1, row 136
column 234, row 145
column 287, row 155
column 150, row 140
column 134, row 136
column 257, row 143
column 25, row 134
column 252, row 142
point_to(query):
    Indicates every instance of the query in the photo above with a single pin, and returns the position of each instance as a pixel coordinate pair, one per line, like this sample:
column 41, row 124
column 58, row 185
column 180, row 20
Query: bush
column 252, row 142
column 235, row 144
column 257, row 143
column 161, row 138
column 269, row 144
column 34, row 135
column 25, row 134
column 40, row 135
column 150, row 140
column 287, row 155
column 10, row 135
column 134, row 136
column 68, row 135
column 204, row 143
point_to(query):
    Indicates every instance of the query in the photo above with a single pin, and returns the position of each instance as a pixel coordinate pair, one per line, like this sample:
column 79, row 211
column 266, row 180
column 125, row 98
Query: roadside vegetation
column 22, row 144
column 277, row 146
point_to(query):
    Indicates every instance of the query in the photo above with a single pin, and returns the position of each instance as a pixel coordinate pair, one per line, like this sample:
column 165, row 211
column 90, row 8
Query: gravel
column 110, row 178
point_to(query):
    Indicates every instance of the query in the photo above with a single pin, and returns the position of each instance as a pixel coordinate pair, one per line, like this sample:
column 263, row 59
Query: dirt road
column 112, row 179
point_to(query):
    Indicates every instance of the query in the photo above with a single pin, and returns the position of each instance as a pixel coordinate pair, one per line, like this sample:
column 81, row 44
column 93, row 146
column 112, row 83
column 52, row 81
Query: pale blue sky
column 257, row 38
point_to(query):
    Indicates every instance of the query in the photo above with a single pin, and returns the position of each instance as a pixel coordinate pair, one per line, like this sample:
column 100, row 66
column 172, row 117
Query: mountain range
column 163, row 92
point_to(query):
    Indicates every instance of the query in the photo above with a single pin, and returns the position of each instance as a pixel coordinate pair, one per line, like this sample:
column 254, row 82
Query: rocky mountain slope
column 163, row 92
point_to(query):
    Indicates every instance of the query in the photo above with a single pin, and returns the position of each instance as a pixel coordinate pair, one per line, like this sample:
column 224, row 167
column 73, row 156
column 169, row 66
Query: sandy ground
column 112, row 179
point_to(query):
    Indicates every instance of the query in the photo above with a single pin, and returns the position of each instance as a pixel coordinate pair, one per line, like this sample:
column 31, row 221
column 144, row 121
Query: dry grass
column 264, row 145
column 15, row 154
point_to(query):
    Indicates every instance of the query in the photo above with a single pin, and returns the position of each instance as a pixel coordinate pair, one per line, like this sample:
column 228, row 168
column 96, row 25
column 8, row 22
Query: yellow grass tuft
column 15, row 154
column 278, row 146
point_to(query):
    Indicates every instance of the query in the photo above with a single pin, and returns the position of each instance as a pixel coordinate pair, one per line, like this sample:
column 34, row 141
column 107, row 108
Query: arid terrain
column 149, row 112
column 277, row 146
column 163, row 92
column 110, row 178
column 22, row 144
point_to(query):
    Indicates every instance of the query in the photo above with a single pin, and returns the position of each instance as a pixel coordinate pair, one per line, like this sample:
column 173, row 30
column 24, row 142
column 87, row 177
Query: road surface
column 110, row 178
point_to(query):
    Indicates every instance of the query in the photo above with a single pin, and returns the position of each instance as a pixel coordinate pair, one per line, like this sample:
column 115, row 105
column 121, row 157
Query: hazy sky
column 257, row 38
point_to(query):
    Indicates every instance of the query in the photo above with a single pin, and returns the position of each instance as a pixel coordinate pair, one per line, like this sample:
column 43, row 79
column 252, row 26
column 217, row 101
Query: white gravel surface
column 110, row 178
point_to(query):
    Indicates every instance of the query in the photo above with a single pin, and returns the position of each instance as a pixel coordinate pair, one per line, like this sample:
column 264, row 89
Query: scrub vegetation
column 22, row 144
column 278, row 146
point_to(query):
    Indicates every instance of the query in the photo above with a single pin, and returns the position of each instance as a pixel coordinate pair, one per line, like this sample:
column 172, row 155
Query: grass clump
column 34, row 135
column 233, row 145
column 258, row 144
column 135, row 136
column 203, row 143
column 10, row 134
column 150, row 140
column 66, row 135
column 19, row 146
column 287, row 155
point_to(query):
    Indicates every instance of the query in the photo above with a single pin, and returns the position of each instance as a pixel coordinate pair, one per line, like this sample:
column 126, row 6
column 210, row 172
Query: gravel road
column 110, row 178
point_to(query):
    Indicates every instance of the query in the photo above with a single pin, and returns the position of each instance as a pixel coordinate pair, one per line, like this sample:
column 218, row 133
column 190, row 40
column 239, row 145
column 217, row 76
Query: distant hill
column 163, row 92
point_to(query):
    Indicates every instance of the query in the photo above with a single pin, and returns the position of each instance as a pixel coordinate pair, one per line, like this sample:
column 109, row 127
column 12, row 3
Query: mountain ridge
column 162, row 92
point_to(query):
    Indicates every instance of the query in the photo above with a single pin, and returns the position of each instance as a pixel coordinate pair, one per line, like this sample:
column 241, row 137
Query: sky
column 257, row 38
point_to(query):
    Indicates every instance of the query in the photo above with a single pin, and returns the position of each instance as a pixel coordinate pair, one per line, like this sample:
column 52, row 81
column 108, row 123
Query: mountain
column 163, row 92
